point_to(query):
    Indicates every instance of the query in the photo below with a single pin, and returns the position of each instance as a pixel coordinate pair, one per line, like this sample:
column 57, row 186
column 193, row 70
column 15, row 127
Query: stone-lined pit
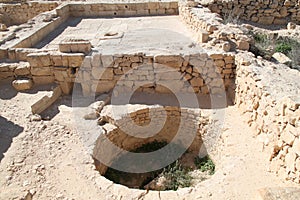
column 144, row 136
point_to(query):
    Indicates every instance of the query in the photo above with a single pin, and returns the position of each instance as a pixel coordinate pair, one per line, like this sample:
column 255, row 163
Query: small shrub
column 177, row 176
column 294, row 56
column 283, row 47
column 230, row 17
column 205, row 164
column 260, row 38
column 263, row 45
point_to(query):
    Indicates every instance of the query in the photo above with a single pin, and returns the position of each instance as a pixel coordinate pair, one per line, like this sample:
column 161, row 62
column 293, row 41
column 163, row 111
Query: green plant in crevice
column 205, row 164
column 176, row 176
column 283, row 47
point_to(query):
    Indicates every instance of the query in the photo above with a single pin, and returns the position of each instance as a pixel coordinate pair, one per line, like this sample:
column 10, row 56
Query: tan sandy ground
column 48, row 158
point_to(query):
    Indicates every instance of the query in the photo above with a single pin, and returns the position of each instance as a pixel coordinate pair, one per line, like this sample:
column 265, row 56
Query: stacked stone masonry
column 209, row 27
column 138, row 118
column 197, row 73
column 100, row 73
column 275, row 117
column 123, row 9
column 263, row 11
column 12, row 14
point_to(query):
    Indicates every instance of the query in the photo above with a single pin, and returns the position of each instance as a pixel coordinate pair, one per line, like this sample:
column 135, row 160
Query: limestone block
column 267, row 20
column 66, row 87
column 86, row 89
column 21, row 53
column 41, row 71
column 44, row 59
column 204, row 89
column 168, row 76
column 197, row 82
column 3, row 27
column 126, row 83
column 282, row 58
column 56, row 60
column 243, row 45
column 75, row 46
column 220, row 63
column 169, row 60
column 107, row 60
column 61, row 74
column 3, row 53
column 4, row 75
column 75, row 59
column 33, row 60
column 22, row 84
column 153, row 5
column 279, row 21
column 196, row 62
column 100, row 73
column 142, row 12
column 64, row 60
column 283, row 11
column 229, row 60
column 291, row 26
column 83, row 48
column 173, row 85
column 171, row 11
column 66, row 48
column 118, row 71
column 87, row 63
column 102, row 86
column 96, row 60
column 22, row 69
column 203, row 36
column 41, row 80
column 46, row 101
column 217, row 56
column 162, row 89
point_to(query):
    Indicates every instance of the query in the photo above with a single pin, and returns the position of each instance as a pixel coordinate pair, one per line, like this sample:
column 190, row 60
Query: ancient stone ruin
column 162, row 67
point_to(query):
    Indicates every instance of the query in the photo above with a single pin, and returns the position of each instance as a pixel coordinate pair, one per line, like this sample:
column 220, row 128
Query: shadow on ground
column 8, row 130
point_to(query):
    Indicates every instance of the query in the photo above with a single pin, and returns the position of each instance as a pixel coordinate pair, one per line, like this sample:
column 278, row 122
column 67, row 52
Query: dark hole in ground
column 174, row 176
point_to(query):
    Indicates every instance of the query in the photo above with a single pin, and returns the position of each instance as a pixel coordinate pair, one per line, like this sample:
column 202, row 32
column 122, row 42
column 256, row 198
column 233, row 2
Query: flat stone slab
column 280, row 193
column 163, row 33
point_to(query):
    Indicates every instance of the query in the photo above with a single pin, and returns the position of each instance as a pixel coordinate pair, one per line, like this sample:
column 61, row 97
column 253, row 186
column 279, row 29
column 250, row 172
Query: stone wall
column 263, row 11
column 12, row 1
column 209, row 27
column 124, row 9
column 271, row 102
column 12, row 14
column 205, row 74
column 152, row 123
column 199, row 73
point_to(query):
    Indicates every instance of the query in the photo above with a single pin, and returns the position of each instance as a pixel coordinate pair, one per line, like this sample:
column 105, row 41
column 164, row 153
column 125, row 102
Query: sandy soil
column 48, row 158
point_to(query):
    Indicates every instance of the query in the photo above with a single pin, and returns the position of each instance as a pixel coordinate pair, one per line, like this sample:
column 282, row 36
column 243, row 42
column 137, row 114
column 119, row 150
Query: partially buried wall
column 263, row 11
column 12, row 14
column 271, row 103
column 97, row 73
